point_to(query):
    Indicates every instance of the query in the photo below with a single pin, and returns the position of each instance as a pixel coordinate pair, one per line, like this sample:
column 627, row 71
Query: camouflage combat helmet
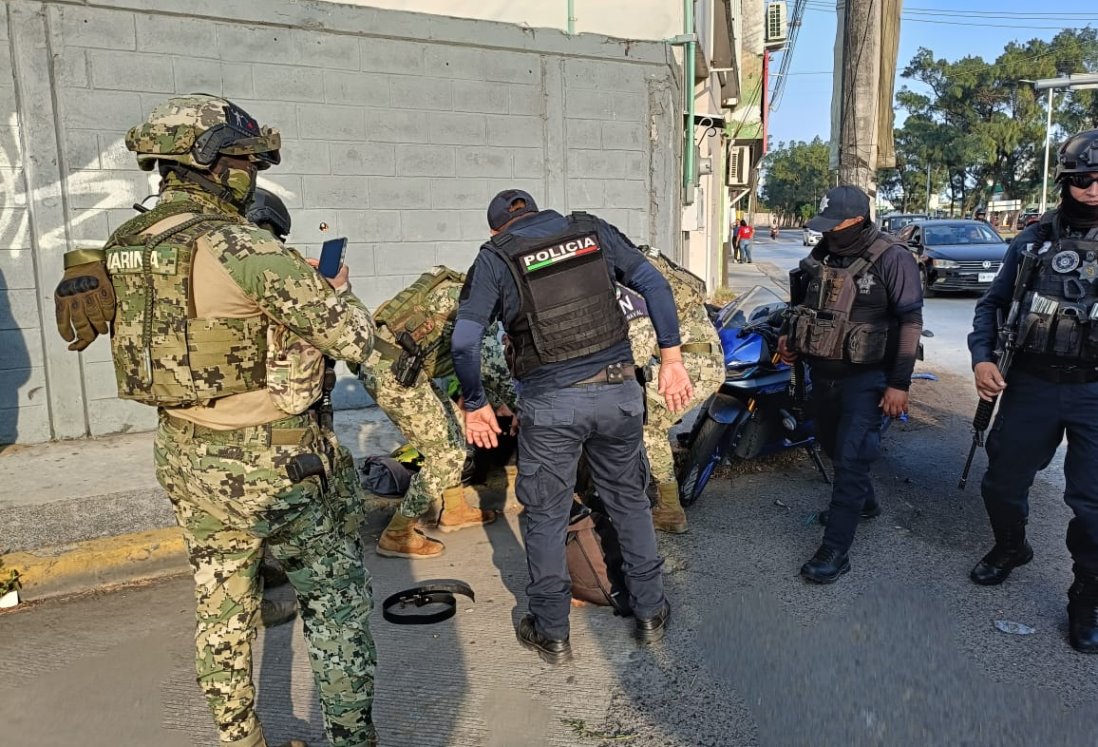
column 268, row 211
column 194, row 130
column 1078, row 155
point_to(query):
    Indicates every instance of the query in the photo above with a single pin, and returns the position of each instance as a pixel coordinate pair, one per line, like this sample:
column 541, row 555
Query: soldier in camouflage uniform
column 704, row 360
column 224, row 329
column 428, row 418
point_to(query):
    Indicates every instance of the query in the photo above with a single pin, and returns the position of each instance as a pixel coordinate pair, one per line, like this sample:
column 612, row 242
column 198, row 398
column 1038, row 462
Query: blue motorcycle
column 760, row 408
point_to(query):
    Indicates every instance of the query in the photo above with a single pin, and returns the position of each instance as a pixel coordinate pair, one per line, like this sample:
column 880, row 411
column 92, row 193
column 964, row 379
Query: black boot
column 826, row 566
column 550, row 650
column 1011, row 550
column 1083, row 613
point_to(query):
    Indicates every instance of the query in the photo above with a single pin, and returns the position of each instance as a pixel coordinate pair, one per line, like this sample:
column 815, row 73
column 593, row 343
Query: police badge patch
column 1065, row 261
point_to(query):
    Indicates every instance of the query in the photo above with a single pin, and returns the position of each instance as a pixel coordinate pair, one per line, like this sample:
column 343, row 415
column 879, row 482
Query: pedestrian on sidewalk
column 550, row 280
column 223, row 329
column 857, row 318
column 746, row 235
column 1052, row 387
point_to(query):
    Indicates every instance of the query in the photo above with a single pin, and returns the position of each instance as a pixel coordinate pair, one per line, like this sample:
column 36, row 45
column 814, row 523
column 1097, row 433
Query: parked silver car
column 810, row 237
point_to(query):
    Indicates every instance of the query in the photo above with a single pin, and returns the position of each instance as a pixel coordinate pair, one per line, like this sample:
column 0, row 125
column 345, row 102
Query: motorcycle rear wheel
column 702, row 457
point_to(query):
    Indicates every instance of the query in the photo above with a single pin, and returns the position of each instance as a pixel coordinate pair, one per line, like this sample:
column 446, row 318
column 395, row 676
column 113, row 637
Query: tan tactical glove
column 84, row 299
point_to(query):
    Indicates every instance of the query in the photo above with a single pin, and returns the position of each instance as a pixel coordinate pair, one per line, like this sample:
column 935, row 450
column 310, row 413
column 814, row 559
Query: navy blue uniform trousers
column 603, row 421
column 1034, row 414
column 848, row 426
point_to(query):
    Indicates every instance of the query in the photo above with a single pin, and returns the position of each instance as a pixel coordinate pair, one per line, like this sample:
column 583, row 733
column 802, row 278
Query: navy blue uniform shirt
column 985, row 321
column 490, row 293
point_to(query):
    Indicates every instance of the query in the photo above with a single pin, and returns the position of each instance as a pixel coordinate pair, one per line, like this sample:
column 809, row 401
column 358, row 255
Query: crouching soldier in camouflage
column 411, row 356
column 213, row 326
column 704, row 361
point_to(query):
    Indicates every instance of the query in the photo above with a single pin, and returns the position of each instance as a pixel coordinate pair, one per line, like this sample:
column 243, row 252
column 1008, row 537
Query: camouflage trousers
column 231, row 496
column 429, row 421
column 432, row 423
column 707, row 374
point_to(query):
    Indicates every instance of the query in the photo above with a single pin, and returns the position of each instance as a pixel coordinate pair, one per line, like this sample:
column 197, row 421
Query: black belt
column 437, row 592
column 615, row 373
column 1059, row 374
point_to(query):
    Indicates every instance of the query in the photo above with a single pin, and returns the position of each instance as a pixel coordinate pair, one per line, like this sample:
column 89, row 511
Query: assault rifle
column 324, row 415
column 1008, row 341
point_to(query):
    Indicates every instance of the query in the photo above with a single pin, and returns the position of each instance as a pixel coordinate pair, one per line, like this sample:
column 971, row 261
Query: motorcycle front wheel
column 702, row 457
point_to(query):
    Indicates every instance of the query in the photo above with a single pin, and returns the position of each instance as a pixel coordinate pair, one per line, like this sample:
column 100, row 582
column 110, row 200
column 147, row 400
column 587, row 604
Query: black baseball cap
column 838, row 205
column 499, row 209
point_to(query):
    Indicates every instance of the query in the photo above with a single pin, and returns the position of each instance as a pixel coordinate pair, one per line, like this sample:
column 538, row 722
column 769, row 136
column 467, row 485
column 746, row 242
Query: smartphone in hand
column 331, row 257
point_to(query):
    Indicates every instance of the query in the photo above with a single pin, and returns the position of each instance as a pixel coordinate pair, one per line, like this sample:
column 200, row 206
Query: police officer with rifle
column 1052, row 386
column 550, row 279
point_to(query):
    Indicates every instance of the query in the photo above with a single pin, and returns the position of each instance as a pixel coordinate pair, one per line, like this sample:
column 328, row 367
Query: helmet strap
column 218, row 190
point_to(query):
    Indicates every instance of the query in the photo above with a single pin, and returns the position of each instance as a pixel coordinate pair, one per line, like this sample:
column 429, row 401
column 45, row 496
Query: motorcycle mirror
column 927, row 333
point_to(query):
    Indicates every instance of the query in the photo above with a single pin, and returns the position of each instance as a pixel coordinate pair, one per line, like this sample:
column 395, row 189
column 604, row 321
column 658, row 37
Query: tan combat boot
column 401, row 539
column 667, row 514
column 457, row 514
column 511, row 502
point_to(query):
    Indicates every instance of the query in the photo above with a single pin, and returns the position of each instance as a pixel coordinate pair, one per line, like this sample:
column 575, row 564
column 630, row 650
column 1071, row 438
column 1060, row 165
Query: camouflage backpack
column 688, row 288
column 426, row 311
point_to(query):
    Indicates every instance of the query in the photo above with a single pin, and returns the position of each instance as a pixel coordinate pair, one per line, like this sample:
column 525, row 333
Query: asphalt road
column 903, row 650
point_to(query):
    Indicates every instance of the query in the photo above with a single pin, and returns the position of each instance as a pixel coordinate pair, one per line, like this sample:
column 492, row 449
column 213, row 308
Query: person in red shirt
column 746, row 234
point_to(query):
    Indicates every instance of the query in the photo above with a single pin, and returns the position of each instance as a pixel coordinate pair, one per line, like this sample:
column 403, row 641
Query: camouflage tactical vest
column 425, row 310
column 164, row 355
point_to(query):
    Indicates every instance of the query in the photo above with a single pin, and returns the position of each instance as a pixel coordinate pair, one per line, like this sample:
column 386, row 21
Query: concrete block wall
column 397, row 129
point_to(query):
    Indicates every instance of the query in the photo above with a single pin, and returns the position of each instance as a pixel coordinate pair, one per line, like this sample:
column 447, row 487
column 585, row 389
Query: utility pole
column 865, row 47
column 928, row 187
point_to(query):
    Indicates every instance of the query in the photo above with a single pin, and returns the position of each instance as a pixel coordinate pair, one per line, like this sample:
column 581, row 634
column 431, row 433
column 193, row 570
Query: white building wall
column 397, row 129
column 625, row 19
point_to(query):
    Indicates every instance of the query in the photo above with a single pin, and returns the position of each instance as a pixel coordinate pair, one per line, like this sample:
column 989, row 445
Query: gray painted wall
column 397, row 128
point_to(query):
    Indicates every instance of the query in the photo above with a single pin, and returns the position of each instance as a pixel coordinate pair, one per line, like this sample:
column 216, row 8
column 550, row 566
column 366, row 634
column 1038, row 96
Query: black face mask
column 853, row 240
column 1075, row 214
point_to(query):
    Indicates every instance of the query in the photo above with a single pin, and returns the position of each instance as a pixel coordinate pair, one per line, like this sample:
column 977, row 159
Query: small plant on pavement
column 9, row 579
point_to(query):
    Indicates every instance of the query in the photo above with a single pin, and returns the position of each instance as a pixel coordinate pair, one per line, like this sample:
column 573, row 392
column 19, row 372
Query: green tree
column 795, row 178
column 983, row 127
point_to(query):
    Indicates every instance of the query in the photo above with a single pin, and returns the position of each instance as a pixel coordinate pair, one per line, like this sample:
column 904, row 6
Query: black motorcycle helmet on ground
column 268, row 211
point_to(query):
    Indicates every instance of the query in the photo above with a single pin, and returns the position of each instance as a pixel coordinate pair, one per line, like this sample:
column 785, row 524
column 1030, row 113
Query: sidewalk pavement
column 744, row 277
column 80, row 514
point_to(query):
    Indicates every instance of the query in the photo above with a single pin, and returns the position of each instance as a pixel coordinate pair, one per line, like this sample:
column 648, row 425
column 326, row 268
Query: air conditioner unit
column 739, row 166
column 777, row 24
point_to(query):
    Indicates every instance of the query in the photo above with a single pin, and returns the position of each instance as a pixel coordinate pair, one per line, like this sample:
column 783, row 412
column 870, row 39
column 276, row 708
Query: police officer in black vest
column 1052, row 386
column 550, row 279
column 857, row 319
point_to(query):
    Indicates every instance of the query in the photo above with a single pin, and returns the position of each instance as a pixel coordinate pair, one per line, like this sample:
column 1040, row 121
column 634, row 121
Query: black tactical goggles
column 1081, row 181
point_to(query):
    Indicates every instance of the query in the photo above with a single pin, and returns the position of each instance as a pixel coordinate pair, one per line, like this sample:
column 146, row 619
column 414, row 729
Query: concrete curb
column 138, row 556
column 772, row 271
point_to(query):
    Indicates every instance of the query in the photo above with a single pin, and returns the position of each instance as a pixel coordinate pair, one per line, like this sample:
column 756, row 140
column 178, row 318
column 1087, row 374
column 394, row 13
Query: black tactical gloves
column 84, row 299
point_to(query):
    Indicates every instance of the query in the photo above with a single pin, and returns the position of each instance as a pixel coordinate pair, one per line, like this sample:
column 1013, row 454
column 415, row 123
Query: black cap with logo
column 838, row 205
column 499, row 209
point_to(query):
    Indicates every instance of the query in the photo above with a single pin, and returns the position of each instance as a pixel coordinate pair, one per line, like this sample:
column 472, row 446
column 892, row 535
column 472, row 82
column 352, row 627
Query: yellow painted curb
column 81, row 566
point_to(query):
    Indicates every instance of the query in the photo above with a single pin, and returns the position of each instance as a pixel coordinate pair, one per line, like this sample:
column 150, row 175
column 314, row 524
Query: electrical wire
column 972, row 13
column 795, row 24
column 977, row 18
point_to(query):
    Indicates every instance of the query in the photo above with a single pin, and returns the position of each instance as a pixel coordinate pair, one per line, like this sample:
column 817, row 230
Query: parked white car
column 810, row 237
